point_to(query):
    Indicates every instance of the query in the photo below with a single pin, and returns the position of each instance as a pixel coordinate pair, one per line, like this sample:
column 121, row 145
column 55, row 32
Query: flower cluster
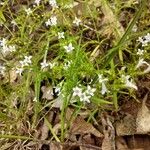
column 52, row 21
column 144, row 40
column 84, row 95
column 5, row 48
column 23, row 63
column 44, row 65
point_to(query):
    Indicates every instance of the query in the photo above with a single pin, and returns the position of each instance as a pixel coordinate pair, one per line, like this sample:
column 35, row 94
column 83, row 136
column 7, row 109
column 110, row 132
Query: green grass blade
column 112, row 52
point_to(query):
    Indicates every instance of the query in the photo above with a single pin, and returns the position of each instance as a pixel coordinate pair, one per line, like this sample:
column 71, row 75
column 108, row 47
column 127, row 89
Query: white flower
column 61, row 35
column 27, row 59
column 53, row 3
column 140, row 39
column 34, row 100
column 19, row 71
column 67, row 65
column 134, row 29
column 48, row 22
column 144, row 40
column 37, row 2
column 26, row 62
column 77, row 21
column 69, row 48
column 77, row 91
column 5, row 48
column 84, row 98
column 12, row 48
column 2, row 70
column 141, row 63
column 13, row 22
column 104, row 89
column 3, row 42
column 44, row 64
column 52, row 21
column 147, row 37
column 28, row 11
column 128, row 82
column 102, row 81
column 90, row 91
column 140, row 52
column 57, row 90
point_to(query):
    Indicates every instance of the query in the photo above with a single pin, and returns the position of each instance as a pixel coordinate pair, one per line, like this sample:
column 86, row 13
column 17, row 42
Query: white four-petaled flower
column 77, row 91
column 69, row 48
column 77, row 21
column 140, row 52
column 28, row 11
column 44, row 64
column 61, row 35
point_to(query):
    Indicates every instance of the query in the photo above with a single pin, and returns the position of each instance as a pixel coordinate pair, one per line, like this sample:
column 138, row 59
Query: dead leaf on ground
column 121, row 143
column 47, row 92
column 126, row 126
column 55, row 146
column 58, row 102
column 80, row 126
column 143, row 118
column 12, row 75
column 109, row 133
column 86, row 139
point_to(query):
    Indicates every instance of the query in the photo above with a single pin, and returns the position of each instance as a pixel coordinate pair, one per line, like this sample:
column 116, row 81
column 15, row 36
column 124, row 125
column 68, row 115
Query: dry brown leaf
column 127, row 126
column 44, row 131
column 109, row 133
column 55, row 146
column 86, row 139
column 12, row 75
column 143, row 118
column 121, row 144
column 80, row 126
column 47, row 92
column 58, row 102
